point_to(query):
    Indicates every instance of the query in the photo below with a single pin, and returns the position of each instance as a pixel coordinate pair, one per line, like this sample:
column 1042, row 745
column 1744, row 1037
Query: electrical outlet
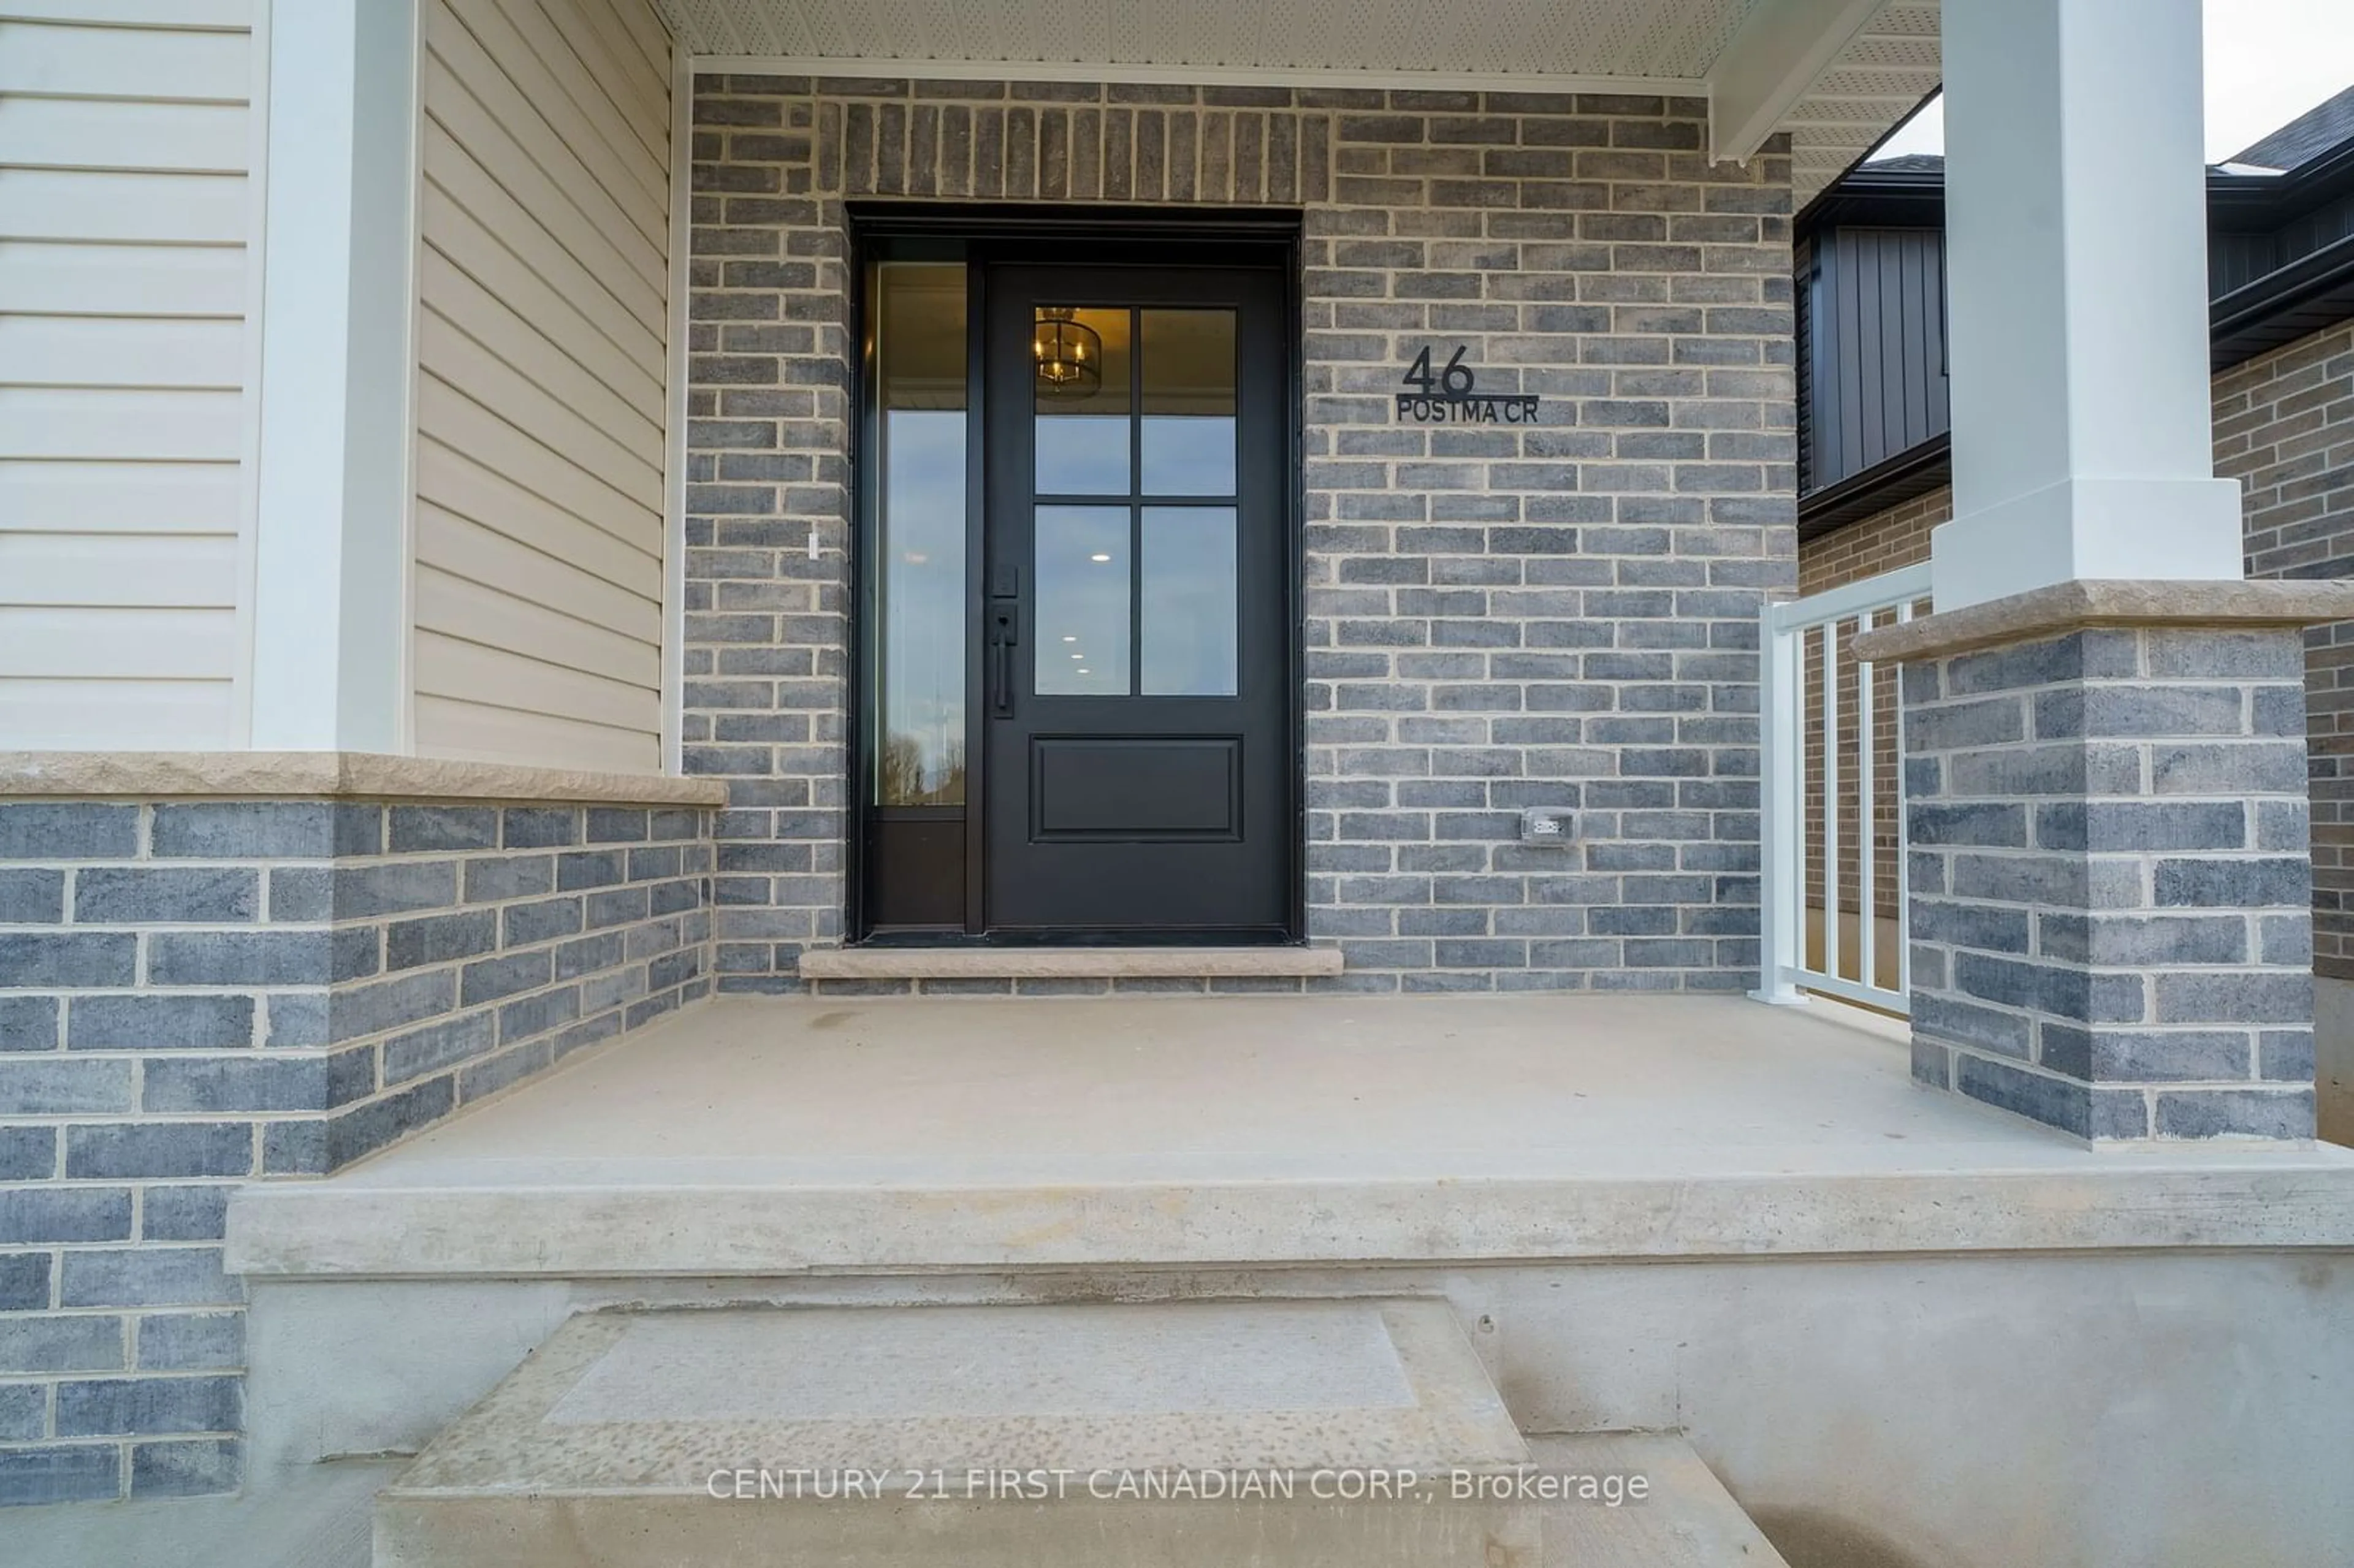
column 1546, row 825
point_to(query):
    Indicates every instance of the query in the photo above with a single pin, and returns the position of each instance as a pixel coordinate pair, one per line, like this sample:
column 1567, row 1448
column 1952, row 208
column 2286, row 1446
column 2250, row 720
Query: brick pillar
column 2110, row 884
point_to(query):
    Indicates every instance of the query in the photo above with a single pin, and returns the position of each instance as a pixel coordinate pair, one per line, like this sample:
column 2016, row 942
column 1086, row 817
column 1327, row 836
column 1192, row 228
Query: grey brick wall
column 194, row 993
column 1497, row 617
column 2111, row 919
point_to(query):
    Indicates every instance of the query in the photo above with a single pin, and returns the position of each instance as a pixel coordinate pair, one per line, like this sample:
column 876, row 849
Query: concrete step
column 970, row 1437
column 1248, row 1435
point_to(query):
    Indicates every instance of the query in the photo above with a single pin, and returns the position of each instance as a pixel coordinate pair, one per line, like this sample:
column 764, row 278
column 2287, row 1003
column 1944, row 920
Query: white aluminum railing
column 1791, row 632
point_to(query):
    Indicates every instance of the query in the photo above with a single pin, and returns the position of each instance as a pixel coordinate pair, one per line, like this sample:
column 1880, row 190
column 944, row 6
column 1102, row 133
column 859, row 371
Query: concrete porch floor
column 760, row 1137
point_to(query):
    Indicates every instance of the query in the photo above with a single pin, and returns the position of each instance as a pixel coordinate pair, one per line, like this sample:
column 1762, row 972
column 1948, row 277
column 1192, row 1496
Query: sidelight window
column 919, row 422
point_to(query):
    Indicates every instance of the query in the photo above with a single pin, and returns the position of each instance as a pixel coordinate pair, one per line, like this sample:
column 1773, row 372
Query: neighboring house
column 609, row 607
column 1875, row 432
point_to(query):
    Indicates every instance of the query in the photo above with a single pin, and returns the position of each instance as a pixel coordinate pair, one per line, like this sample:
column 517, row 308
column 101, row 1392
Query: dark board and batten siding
column 2238, row 257
column 1804, row 330
column 1874, row 339
column 1872, row 387
column 2316, row 230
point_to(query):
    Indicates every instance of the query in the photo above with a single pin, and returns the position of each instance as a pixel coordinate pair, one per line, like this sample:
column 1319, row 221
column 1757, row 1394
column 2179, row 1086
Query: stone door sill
column 1065, row 963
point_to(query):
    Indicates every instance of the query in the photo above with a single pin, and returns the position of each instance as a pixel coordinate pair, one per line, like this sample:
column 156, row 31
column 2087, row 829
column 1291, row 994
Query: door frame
column 981, row 236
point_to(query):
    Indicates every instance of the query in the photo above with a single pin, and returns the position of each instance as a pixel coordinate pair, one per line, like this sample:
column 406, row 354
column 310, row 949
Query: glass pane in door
column 1189, row 602
column 1188, row 376
column 1082, row 578
column 1082, row 401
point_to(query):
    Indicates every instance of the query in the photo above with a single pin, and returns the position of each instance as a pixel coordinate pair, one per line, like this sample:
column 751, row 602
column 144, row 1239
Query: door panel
column 1136, row 788
column 1137, row 732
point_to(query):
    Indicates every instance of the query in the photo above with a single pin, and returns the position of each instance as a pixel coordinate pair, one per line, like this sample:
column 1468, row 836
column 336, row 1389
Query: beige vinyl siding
column 543, row 285
column 127, row 132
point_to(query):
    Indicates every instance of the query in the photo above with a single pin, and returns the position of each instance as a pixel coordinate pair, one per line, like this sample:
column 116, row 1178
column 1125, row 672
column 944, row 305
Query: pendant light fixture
column 1069, row 353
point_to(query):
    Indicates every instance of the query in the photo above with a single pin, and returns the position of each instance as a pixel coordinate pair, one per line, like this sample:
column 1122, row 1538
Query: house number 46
column 1454, row 381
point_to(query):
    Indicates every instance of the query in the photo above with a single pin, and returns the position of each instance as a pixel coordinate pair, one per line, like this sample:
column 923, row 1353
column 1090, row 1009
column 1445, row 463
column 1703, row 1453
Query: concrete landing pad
column 765, row 1137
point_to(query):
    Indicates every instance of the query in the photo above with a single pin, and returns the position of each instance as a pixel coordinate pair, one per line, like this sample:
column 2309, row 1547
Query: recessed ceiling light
column 1070, row 640
column 1082, row 670
column 1099, row 557
column 1078, row 655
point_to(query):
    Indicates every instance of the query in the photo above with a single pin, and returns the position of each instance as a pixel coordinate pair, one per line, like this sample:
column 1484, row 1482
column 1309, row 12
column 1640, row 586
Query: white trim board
column 404, row 715
column 1194, row 76
column 257, row 250
column 682, row 219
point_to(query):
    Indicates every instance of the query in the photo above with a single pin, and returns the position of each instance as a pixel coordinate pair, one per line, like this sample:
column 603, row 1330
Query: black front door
column 1136, row 676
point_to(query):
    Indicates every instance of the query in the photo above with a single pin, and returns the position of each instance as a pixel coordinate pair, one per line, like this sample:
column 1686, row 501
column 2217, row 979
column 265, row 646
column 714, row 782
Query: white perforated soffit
column 1890, row 65
column 1669, row 45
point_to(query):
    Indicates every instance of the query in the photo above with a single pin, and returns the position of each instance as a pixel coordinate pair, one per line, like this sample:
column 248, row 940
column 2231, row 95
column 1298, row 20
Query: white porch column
column 331, row 558
column 2076, row 235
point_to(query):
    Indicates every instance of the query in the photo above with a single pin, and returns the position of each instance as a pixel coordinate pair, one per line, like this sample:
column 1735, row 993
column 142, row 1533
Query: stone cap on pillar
column 2062, row 608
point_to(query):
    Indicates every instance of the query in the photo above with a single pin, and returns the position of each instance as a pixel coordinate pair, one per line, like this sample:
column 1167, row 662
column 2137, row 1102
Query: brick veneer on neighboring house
column 1881, row 543
column 1898, row 537
column 2285, row 430
column 1894, row 538
column 1497, row 617
column 194, row 992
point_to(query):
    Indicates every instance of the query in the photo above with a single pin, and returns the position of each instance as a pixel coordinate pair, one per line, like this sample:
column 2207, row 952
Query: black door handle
column 1004, row 633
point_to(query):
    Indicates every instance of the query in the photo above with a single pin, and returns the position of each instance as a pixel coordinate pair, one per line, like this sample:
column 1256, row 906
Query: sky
column 2268, row 61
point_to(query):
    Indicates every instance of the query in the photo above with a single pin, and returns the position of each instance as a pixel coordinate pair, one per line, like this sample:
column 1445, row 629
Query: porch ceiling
column 1887, row 68
column 1671, row 45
